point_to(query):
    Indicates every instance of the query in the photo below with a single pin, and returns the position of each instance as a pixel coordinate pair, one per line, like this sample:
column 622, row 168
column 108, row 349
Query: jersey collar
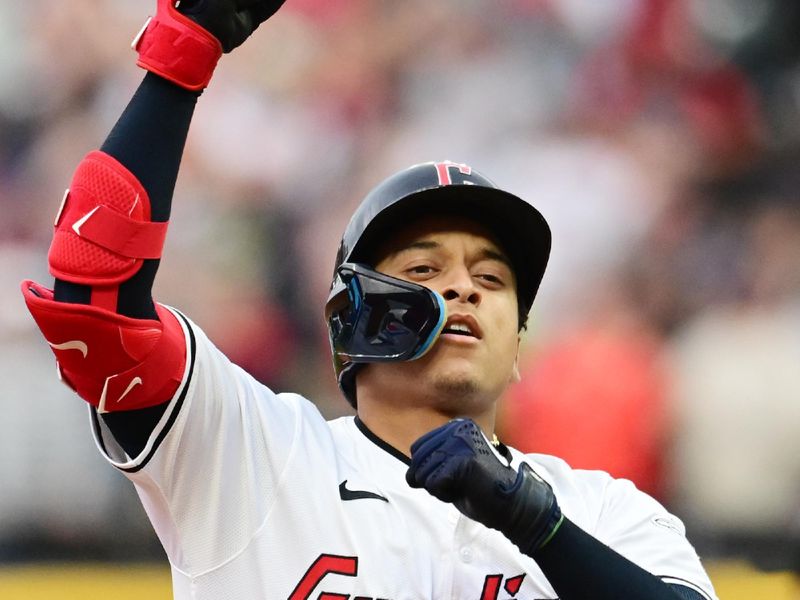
column 385, row 446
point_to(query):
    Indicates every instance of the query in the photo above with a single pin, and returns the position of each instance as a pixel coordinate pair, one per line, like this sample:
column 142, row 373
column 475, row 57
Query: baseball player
column 251, row 492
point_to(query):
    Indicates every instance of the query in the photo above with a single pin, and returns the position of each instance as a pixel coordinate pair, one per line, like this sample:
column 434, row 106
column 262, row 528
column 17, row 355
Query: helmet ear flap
column 346, row 378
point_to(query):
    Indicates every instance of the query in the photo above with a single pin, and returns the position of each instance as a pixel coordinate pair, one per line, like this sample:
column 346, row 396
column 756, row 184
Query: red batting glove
column 183, row 44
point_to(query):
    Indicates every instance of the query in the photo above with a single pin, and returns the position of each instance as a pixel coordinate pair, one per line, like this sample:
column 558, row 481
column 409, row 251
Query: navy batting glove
column 455, row 464
column 230, row 21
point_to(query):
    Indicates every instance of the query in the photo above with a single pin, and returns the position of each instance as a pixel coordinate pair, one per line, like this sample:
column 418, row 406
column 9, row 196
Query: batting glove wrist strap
column 176, row 48
column 533, row 515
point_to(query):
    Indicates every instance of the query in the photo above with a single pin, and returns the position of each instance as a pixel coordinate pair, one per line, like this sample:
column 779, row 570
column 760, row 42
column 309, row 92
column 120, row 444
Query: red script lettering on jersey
column 491, row 586
column 348, row 565
column 325, row 563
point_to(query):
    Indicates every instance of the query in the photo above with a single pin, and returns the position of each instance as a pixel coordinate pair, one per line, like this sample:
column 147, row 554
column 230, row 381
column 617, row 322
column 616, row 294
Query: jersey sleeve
column 642, row 530
column 210, row 470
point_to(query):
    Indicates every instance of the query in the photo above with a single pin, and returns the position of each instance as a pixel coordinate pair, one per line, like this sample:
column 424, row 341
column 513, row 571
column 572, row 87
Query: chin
column 460, row 395
column 467, row 385
column 457, row 387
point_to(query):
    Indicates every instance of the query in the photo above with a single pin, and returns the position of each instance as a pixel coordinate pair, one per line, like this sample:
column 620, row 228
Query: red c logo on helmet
column 443, row 171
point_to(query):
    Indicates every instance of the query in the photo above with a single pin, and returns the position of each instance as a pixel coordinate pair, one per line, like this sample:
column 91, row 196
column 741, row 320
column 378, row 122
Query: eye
column 421, row 270
column 491, row 279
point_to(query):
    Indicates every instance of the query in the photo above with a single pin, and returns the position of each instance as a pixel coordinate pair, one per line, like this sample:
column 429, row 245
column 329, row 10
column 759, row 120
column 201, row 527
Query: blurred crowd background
column 660, row 138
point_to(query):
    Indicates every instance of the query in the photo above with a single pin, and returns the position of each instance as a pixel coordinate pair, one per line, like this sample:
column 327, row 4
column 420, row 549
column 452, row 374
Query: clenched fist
column 455, row 464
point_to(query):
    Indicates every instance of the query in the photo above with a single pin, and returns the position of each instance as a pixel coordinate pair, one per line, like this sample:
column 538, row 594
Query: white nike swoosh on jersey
column 72, row 345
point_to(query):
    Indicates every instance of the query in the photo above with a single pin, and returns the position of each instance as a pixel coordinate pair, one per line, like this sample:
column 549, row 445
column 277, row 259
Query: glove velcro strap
column 103, row 231
column 113, row 362
column 176, row 48
column 533, row 515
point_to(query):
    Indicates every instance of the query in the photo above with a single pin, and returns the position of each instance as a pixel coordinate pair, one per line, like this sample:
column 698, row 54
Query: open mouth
column 461, row 326
column 458, row 329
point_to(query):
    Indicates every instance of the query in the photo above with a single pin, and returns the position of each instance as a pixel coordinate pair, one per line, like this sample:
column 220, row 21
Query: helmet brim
column 518, row 227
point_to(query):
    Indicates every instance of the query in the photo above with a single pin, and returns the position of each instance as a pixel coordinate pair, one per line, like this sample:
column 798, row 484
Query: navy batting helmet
column 373, row 317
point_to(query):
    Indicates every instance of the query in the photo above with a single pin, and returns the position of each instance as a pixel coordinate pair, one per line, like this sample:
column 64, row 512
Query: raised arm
column 121, row 352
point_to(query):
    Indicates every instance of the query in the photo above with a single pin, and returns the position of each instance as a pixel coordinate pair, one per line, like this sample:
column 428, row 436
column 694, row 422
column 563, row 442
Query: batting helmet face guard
column 373, row 317
column 377, row 318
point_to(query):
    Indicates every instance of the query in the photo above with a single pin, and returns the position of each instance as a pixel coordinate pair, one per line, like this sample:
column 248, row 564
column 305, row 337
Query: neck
column 402, row 426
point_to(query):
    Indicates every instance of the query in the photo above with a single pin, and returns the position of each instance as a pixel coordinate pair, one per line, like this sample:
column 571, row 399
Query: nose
column 460, row 287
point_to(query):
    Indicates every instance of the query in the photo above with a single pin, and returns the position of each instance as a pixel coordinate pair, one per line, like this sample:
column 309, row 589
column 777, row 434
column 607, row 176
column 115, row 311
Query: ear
column 515, row 376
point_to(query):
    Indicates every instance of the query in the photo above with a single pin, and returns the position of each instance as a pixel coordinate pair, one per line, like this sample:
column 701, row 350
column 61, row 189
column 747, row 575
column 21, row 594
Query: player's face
column 475, row 357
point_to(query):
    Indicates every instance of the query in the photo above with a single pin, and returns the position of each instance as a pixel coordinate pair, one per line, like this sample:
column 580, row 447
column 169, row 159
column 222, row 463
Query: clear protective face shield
column 373, row 317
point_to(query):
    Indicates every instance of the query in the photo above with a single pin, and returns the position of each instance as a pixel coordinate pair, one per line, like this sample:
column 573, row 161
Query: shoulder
column 624, row 518
column 566, row 479
column 560, row 474
column 594, row 499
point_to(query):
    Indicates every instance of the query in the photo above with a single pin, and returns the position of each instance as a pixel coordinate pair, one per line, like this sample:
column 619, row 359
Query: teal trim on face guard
column 354, row 293
column 428, row 344
column 374, row 317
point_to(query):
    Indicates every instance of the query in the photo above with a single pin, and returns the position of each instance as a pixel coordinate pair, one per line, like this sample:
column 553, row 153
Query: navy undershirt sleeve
column 579, row 566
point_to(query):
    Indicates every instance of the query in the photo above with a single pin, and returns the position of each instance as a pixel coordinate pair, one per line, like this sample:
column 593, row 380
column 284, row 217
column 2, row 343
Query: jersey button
column 466, row 554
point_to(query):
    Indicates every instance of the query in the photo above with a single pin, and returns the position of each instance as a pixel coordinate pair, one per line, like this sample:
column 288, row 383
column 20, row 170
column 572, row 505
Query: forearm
column 149, row 137
column 579, row 566
column 148, row 140
column 455, row 463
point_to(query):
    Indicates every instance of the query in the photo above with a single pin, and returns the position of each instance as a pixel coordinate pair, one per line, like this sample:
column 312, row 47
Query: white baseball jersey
column 254, row 495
